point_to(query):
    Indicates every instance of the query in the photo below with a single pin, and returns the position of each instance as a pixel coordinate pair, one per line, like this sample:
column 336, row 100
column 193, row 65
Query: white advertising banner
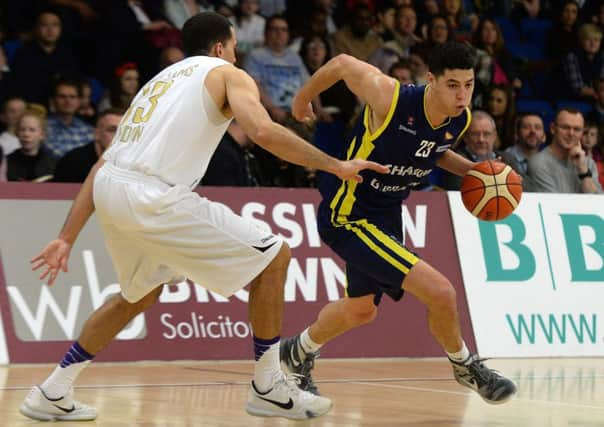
column 3, row 348
column 535, row 280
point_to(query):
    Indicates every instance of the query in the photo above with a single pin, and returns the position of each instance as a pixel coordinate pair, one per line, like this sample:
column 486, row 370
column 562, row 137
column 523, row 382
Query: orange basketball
column 491, row 190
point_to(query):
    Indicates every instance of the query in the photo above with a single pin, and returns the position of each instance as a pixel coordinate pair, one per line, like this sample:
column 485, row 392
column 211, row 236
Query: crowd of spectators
column 70, row 68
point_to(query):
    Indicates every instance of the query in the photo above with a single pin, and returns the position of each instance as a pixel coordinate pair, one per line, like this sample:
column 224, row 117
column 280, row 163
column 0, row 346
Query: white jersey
column 172, row 127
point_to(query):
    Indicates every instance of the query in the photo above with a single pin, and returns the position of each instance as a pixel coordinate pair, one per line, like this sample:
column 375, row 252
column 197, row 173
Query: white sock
column 266, row 368
column 460, row 356
column 60, row 381
column 307, row 344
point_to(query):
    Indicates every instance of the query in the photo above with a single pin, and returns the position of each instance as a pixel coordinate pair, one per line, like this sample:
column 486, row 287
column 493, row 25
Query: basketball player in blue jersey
column 411, row 129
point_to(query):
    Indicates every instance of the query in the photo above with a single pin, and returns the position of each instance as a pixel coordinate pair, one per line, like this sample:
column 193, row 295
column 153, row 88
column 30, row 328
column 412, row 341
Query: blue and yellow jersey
column 406, row 141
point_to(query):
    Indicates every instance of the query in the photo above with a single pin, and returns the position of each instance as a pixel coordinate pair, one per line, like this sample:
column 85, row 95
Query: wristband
column 582, row 176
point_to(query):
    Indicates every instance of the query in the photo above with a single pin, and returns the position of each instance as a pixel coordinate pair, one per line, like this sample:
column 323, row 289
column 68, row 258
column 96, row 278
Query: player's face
column 567, row 129
column 531, row 132
column 453, row 90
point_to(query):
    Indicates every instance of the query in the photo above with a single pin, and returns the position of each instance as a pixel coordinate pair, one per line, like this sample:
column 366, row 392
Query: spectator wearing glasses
column 563, row 166
column 479, row 143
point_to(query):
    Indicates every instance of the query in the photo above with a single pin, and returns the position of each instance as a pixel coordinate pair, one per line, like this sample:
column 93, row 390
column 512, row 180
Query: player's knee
column 361, row 315
column 444, row 297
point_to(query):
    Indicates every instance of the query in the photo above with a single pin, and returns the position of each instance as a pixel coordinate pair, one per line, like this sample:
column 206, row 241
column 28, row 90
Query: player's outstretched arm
column 244, row 101
column 366, row 81
column 55, row 255
column 455, row 163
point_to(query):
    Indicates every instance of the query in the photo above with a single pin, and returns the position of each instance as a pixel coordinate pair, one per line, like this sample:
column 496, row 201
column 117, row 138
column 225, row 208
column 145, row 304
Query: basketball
column 491, row 190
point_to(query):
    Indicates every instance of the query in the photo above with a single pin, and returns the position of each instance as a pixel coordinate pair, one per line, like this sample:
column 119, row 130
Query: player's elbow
column 343, row 62
column 263, row 133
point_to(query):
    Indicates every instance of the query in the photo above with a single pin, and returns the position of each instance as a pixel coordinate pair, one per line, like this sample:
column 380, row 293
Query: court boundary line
column 470, row 393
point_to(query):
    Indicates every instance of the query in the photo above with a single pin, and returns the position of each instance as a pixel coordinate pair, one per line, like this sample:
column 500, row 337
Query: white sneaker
column 286, row 400
column 40, row 407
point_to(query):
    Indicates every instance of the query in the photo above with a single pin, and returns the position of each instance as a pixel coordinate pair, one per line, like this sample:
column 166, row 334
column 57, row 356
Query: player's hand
column 302, row 111
column 350, row 169
column 52, row 260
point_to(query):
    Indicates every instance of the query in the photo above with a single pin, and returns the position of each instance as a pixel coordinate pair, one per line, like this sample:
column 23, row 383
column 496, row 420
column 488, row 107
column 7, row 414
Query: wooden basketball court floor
column 370, row 392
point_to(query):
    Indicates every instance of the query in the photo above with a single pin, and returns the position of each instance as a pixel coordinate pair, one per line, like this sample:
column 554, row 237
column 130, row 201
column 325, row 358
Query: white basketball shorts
column 156, row 233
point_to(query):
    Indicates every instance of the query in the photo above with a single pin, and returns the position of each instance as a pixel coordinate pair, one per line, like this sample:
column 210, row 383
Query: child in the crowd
column 33, row 161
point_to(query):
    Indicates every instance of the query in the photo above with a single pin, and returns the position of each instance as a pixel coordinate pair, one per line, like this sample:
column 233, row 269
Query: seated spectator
column 563, row 167
column 583, row 67
column 384, row 22
column 592, row 145
column 38, row 61
column 337, row 103
column 479, row 143
column 530, row 135
column 495, row 65
column 249, row 26
column 278, row 70
column 562, row 37
column 405, row 25
column 357, row 39
column 12, row 109
column 64, row 130
column 233, row 164
column 402, row 72
column 461, row 24
column 425, row 11
column 87, row 110
column 418, row 61
column 502, row 106
column 75, row 165
column 33, row 161
column 78, row 29
column 437, row 32
column 124, row 87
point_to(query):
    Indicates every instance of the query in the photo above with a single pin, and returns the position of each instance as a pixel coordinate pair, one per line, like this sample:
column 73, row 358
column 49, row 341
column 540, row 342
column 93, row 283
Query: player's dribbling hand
column 350, row 169
column 53, row 259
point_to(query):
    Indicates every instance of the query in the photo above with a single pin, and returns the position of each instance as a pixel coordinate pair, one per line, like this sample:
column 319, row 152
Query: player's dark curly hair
column 203, row 31
column 451, row 56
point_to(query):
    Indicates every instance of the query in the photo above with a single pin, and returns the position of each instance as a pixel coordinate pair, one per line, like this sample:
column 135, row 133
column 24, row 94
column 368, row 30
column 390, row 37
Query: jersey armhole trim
column 384, row 125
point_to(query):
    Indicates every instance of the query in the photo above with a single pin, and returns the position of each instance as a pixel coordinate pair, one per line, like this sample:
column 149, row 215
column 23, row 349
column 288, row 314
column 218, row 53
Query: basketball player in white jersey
column 159, row 231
